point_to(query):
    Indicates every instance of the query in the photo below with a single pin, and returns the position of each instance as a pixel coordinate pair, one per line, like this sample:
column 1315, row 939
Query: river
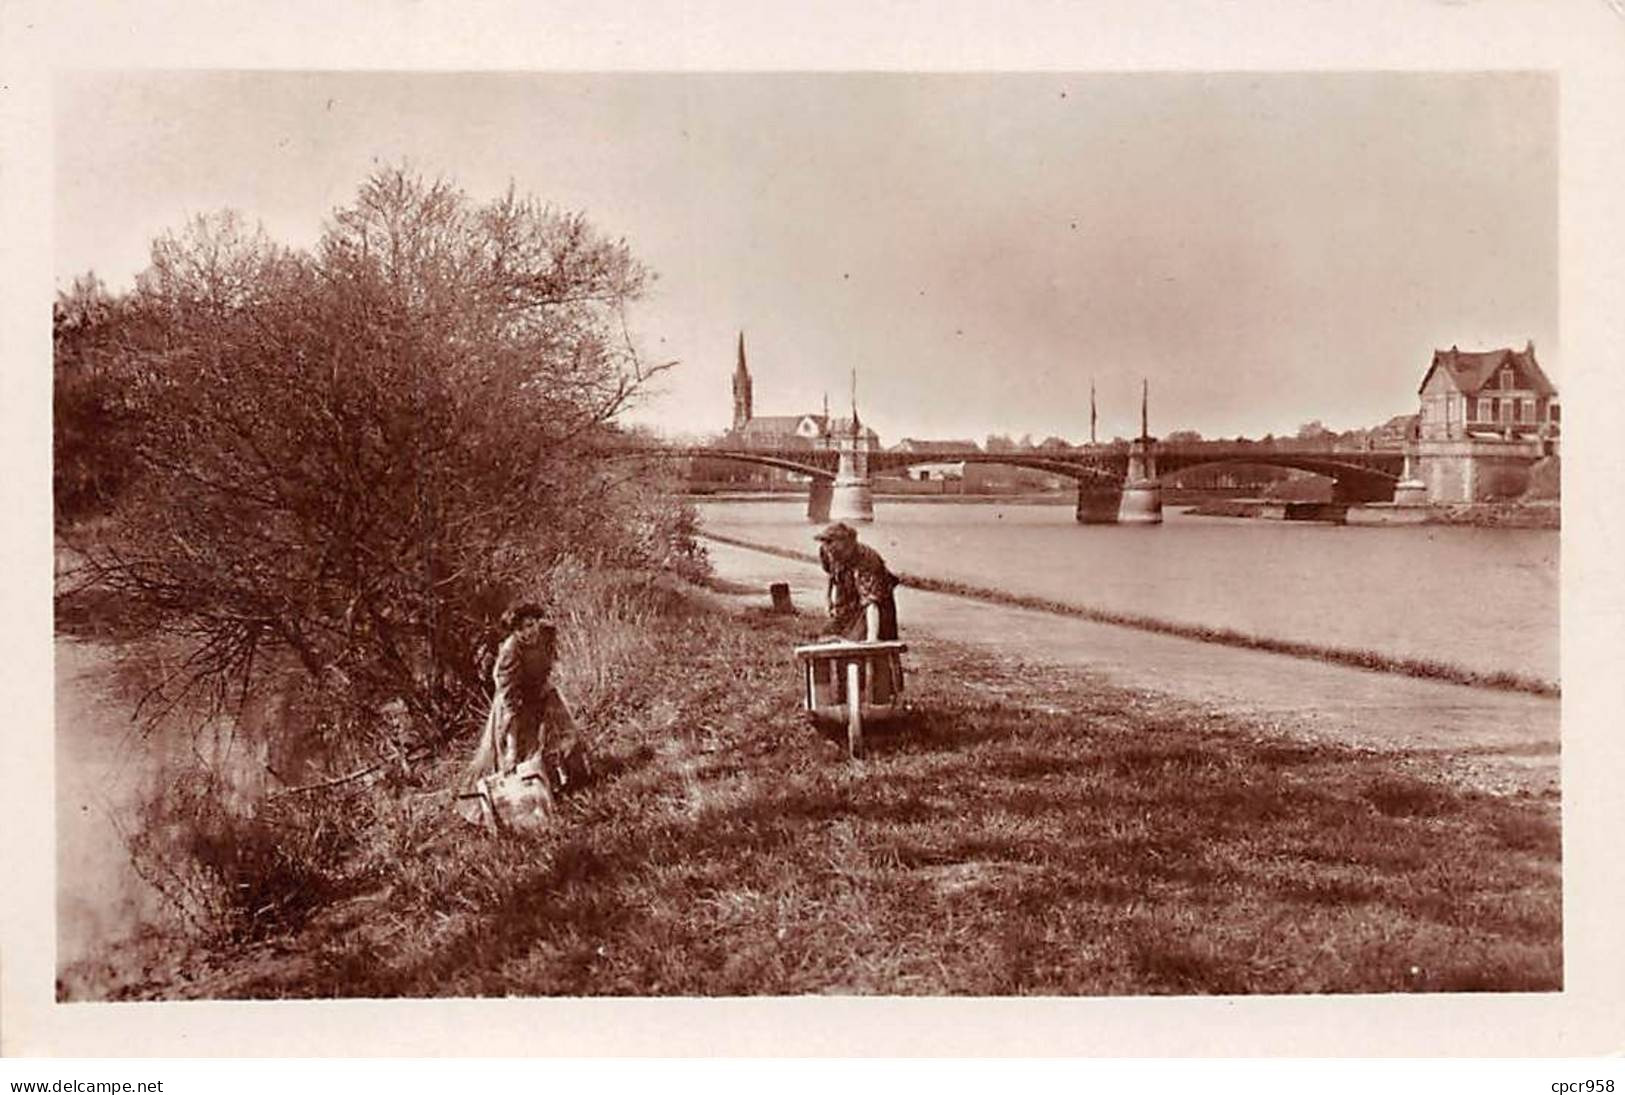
column 1482, row 599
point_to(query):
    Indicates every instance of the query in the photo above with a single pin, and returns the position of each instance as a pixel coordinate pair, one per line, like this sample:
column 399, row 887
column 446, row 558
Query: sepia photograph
column 757, row 534
column 1084, row 531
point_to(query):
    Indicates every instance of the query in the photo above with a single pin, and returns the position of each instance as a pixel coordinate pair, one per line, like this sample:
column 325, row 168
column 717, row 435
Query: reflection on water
column 1484, row 599
column 100, row 766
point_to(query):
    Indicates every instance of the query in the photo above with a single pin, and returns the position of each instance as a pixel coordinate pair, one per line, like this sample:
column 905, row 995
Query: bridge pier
column 818, row 500
column 1142, row 493
column 852, row 495
column 1476, row 469
column 1354, row 491
column 1098, row 505
column 1410, row 490
column 1141, row 505
column 852, row 500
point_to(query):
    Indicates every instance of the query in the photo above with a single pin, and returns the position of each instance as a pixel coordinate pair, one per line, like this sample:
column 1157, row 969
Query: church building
column 811, row 430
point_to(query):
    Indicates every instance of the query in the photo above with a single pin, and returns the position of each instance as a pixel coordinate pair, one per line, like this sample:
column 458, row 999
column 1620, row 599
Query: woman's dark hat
column 521, row 613
column 840, row 530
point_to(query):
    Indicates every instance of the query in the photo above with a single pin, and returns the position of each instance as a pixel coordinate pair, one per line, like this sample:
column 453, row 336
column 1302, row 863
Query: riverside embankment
column 1486, row 737
column 1033, row 827
column 1074, row 807
column 1468, row 603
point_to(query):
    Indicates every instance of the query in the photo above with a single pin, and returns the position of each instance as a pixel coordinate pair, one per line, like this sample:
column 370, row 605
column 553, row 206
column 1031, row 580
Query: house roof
column 841, row 427
column 1471, row 372
column 914, row 444
column 785, row 426
column 764, row 424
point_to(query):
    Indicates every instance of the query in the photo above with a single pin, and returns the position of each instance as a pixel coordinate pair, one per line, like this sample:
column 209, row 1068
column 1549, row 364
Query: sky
column 1262, row 249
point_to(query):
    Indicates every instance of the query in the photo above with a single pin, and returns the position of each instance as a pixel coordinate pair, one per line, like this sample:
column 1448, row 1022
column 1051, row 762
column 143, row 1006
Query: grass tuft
column 1409, row 798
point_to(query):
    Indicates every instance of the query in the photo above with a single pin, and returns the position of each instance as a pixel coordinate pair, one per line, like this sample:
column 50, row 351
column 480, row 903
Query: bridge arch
column 1082, row 472
column 738, row 456
column 1352, row 481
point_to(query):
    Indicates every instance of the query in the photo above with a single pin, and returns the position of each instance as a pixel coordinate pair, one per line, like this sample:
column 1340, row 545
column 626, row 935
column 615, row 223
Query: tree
column 91, row 418
column 1314, row 431
column 1181, row 436
column 351, row 456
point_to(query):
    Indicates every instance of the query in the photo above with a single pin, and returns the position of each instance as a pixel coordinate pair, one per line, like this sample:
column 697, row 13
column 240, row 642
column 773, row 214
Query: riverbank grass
column 1028, row 830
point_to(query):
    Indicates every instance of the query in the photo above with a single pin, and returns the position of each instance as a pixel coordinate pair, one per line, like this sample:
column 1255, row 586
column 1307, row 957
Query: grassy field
column 1029, row 830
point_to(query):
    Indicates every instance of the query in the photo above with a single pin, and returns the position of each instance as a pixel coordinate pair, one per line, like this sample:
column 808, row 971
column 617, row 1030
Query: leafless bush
column 349, row 456
column 92, row 457
column 315, row 480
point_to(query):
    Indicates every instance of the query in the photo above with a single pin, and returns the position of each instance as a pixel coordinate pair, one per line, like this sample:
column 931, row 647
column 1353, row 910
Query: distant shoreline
column 1519, row 515
column 1034, row 499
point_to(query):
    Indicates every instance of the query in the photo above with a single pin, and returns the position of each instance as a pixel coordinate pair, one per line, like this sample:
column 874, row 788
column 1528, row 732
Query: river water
column 1482, row 599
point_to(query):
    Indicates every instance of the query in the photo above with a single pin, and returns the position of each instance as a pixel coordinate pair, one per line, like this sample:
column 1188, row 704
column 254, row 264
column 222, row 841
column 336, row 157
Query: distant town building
column 812, row 430
column 780, row 431
column 1497, row 392
column 949, row 470
column 1396, row 431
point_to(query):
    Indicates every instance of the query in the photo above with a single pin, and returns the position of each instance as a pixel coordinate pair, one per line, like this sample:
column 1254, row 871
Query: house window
column 1526, row 411
column 1495, row 410
column 1552, row 413
column 1506, row 379
column 1472, row 410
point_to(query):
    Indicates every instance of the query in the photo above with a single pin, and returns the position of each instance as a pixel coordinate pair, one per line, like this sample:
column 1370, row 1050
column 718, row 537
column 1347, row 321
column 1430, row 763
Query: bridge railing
column 1079, row 453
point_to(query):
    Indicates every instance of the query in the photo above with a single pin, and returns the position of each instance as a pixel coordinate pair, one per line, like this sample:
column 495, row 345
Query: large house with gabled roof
column 1487, row 418
column 1501, row 393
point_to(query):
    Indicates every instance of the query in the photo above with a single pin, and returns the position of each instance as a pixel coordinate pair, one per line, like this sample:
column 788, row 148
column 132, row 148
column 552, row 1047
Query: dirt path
column 1494, row 740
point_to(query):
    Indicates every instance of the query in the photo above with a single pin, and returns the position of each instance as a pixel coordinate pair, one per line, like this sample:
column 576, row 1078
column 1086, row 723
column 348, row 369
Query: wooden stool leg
column 854, row 711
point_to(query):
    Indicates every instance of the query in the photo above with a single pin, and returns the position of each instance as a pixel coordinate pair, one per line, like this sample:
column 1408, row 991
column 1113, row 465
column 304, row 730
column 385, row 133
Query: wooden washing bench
column 835, row 672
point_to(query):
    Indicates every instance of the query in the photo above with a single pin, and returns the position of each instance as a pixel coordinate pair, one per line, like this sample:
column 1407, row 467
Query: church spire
column 742, row 401
column 855, row 425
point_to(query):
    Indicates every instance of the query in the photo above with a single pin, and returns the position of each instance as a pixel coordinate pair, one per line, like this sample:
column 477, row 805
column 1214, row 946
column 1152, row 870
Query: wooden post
column 780, row 592
column 854, row 710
